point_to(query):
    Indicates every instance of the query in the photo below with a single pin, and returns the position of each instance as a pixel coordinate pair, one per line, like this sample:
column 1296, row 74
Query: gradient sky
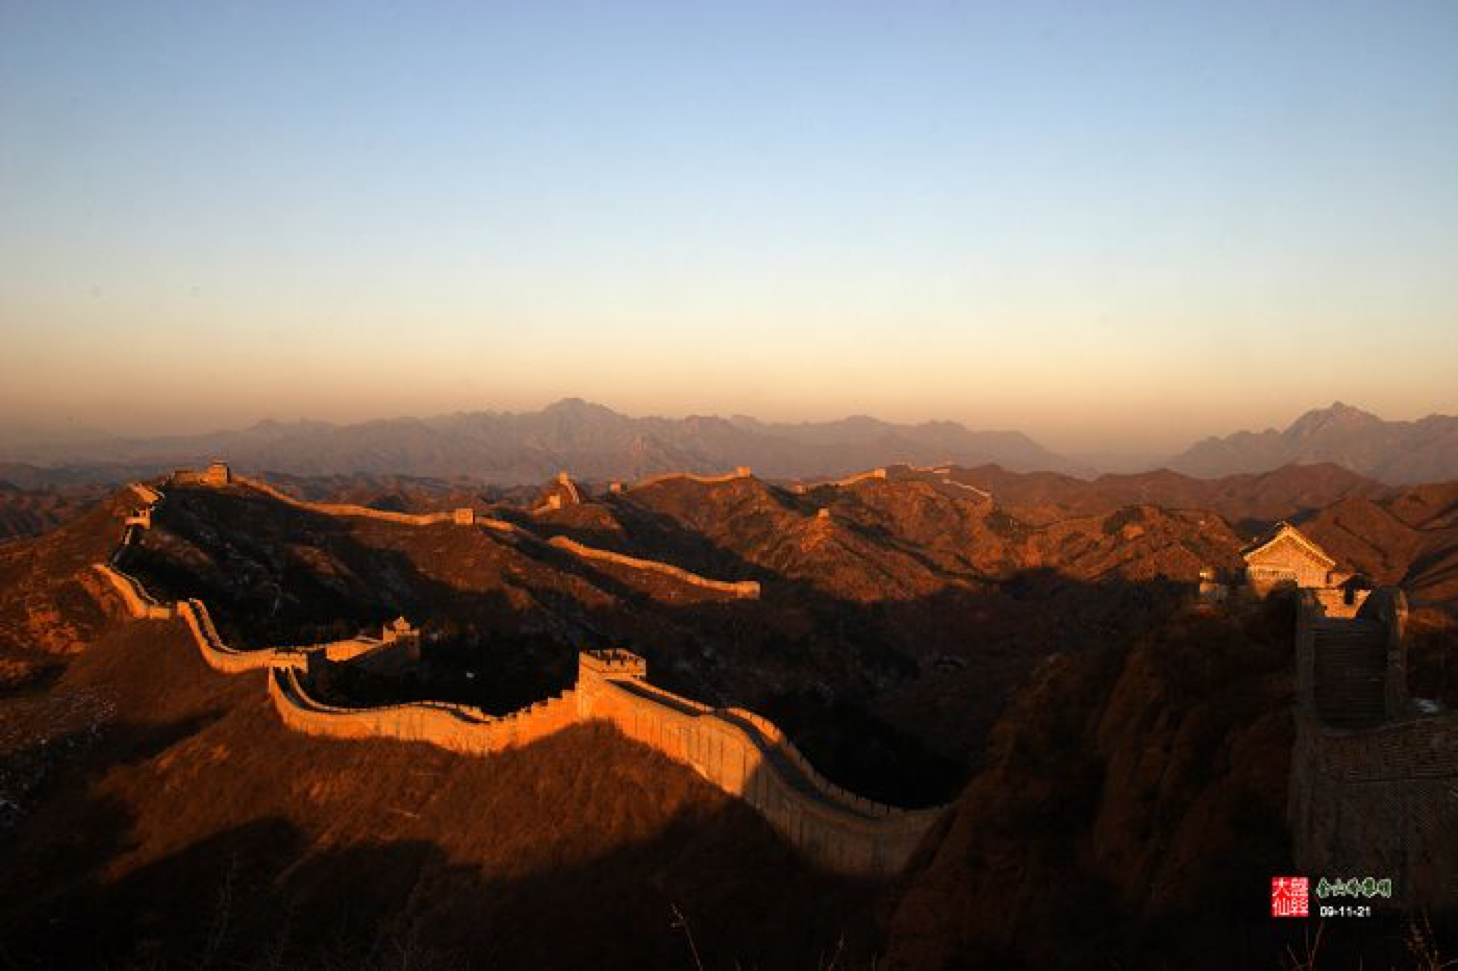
column 1117, row 227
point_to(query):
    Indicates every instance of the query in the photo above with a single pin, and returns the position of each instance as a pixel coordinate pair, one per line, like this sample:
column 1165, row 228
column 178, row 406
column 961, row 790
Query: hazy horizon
column 1098, row 460
column 1116, row 230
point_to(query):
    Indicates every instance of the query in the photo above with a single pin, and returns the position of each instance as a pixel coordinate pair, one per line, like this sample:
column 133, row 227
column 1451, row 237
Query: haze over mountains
column 1397, row 452
column 587, row 439
column 595, row 442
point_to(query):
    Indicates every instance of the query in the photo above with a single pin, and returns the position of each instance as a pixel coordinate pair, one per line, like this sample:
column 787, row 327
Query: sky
column 1117, row 227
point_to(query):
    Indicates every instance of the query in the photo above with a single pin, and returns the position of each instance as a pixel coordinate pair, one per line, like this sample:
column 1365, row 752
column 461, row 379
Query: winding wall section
column 738, row 751
column 737, row 588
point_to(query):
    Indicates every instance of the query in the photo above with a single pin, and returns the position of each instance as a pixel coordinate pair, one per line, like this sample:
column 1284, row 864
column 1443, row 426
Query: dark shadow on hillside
column 80, row 838
column 266, row 894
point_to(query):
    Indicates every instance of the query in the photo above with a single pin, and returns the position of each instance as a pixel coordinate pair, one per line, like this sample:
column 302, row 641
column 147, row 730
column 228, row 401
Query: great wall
column 1374, row 775
column 882, row 474
column 468, row 517
column 740, row 472
column 735, row 588
column 738, row 751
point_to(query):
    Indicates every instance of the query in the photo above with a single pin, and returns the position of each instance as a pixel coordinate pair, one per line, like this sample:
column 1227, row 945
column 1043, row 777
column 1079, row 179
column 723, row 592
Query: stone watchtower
column 217, row 474
column 594, row 668
column 399, row 632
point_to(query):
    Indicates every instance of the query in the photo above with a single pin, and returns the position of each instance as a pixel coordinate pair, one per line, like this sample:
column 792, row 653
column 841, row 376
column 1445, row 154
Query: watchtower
column 611, row 665
column 399, row 632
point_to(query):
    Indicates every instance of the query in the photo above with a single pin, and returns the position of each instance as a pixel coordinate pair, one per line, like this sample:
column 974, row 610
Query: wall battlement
column 611, row 664
column 742, row 753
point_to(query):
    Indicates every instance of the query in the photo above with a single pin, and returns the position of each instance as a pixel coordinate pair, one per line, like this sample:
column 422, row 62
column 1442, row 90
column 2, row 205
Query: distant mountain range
column 595, row 442
column 586, row 439
column 1395, row 452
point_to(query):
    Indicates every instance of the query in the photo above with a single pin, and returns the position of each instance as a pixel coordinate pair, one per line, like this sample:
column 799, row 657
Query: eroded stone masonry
column 737, row 750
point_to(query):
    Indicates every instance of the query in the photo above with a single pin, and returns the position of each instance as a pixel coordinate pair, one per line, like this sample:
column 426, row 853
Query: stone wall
column 1379, row 801
column 220, row 657
column 569, row 488
column 748, row 589
column 749, row 757
column 980, row 493
column 851, row 480
column 743, row 589
column 1339, row 603
column 459, row 728
column 738, row 751
column 138, row 602
column 349, row 508
column 741, row 472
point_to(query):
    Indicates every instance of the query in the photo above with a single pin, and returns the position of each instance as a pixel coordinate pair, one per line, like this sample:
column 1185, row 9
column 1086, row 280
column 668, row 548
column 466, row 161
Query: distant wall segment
column 747, row 589
column 740, row 472
column 737, row 588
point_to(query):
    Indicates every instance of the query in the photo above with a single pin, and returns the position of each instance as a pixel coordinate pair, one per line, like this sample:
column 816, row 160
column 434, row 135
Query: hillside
column 192, row 828
column 876, row 624
column 1410, row 539
column 1112, row 759
column 1248, row 501
column 26, row 512
column 1131, row 814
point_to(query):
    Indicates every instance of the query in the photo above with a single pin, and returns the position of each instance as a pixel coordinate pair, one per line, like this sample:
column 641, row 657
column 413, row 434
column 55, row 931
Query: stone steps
column 1351, row 675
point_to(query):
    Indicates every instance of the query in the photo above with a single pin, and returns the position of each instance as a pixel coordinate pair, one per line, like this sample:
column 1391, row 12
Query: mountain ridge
column 1392, row 452
column 587, row 439
column 592, row 441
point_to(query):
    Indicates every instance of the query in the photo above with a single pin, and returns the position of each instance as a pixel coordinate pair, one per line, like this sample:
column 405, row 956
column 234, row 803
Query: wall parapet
column 139, row 603
column 740, row 472
column 748, row 756
column 850, row 480
column 220, row 657
column 458, row 728
column 744, row 589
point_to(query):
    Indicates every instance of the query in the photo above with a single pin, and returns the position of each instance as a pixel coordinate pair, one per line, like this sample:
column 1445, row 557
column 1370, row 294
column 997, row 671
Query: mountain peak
column 1338, row 416
column 1395, row 452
